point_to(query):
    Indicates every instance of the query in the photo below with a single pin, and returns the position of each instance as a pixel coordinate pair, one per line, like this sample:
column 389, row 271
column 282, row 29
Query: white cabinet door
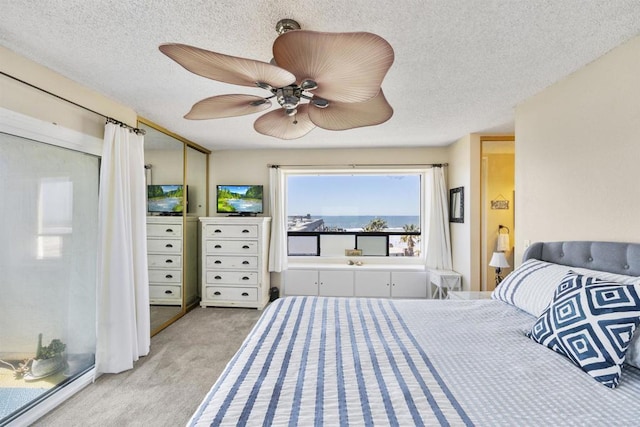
column 409, row 284
column 301, row 282
column 336, row 283
column 375, row 284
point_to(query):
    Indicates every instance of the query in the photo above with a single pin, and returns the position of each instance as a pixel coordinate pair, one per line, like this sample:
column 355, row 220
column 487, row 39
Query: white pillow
column 530, row 287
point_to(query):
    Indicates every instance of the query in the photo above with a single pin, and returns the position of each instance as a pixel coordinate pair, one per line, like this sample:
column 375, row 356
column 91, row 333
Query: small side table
column 468, row 295
column 445, row 279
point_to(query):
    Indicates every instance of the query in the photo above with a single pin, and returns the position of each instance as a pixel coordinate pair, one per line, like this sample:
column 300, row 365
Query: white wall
column 578, row 155
column 23, row 99
column 464, row 171
column 250, row 166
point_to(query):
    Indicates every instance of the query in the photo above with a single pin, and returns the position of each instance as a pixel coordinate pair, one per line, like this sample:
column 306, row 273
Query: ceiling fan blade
column 220, row 106
column 277, row 124
column 225, row 68
column 349, row 115
column 348, row 67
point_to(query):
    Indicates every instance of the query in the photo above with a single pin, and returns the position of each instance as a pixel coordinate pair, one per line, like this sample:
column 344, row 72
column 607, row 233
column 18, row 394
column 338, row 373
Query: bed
column 352, row 361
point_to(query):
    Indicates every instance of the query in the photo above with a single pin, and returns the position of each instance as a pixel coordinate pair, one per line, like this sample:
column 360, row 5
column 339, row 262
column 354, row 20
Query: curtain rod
column 109, row 119
column 362, row 165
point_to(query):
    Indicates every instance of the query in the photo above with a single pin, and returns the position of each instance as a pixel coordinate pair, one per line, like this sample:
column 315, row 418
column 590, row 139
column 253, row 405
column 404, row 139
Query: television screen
column 165, row 199
column 239, row 199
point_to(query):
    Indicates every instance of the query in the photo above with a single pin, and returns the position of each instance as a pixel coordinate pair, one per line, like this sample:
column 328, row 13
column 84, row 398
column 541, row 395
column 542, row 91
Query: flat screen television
column 166, row 199
column 239, row 199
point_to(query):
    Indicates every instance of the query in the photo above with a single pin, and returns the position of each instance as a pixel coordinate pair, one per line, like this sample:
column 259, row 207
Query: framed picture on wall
column 456, row 204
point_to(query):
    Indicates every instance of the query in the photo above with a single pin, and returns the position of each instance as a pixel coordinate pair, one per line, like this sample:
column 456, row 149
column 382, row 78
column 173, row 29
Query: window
column 340, row 213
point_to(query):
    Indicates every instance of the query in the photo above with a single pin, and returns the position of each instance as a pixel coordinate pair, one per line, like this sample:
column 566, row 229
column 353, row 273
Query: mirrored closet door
column 176, row 174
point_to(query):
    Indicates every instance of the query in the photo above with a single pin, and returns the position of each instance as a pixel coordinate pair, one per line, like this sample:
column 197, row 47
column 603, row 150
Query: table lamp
column 498, row 261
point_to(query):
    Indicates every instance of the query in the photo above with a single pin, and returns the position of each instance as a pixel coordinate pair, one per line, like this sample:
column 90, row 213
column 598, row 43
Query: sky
column 382, row 195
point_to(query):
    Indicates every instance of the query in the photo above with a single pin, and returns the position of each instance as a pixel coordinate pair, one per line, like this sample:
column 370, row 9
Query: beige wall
column 23, row 99
column 250, row 166
column 464, row 171
column 578, row 155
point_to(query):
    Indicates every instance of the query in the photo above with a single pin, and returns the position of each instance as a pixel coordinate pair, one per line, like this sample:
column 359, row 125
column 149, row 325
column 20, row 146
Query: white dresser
column 376, row 281
column 172, row 254
column 235, row 261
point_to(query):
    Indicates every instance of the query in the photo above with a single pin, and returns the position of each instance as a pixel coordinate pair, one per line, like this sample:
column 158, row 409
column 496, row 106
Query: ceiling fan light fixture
column 285, row 25
column 288, row 97
column 308, row 84
column 263, row 85
column 319, row 102
column 259, row 102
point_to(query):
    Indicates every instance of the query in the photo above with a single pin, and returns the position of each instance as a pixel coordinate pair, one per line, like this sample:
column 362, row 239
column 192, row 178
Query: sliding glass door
column 48, row 224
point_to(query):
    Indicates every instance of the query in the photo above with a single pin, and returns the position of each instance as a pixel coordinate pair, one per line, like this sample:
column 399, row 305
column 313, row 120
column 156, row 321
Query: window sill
column 308, row 265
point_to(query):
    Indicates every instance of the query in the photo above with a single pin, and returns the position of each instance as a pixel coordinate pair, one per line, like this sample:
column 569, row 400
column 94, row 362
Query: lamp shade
column 498, row 260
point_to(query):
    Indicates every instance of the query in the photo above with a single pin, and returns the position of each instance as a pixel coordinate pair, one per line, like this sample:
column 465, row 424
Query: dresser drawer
column 232, row 247
column 164, row 230
column 232, row 277
column 235, row 262
column 162, row 292
column 165, row 276
column 164, row 261
column 231, row 293
column 231, row 231
column 164, row 245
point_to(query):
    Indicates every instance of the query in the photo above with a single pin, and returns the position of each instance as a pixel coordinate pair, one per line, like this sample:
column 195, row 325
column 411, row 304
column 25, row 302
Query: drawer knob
column 218, row 246
column 217, row 293
column 217, row 261
column 169, row 261
column 168, row 292
column 168, row 276
column 217, row 230
column 245, row 246
column 245, row 278
column 169, row 230
column 218, row 277
column 245, row 262
column 168, row 245
column 245, row 231
column 245, row 294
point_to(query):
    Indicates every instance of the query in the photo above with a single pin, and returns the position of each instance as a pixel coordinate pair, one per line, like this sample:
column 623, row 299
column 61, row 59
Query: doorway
column 497, row 186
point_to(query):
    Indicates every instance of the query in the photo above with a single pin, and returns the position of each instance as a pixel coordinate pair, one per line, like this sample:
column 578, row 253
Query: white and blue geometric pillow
column 591, row 321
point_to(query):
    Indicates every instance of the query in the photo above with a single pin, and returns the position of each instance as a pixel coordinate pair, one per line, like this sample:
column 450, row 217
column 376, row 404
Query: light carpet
column 166, row 386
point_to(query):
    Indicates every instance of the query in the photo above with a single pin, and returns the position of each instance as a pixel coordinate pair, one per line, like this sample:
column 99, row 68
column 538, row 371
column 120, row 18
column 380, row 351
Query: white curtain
column 123, row 324
column 278, row 243
column 438, row 245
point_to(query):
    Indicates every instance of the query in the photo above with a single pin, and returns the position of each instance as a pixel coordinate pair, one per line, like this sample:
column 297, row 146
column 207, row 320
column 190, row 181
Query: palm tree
column 410, row 239
column 376, row 224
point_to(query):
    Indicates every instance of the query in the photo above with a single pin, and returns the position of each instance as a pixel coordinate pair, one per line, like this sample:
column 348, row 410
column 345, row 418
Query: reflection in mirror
column 177, row 173
column 196, row 182
column 196, row 179
column 164, row 171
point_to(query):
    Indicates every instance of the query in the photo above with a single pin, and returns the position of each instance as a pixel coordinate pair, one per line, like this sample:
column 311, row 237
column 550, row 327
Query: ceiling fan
column 328, row 80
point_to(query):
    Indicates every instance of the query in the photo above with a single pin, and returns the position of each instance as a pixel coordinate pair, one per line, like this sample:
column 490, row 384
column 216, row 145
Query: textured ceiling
column 460, row 66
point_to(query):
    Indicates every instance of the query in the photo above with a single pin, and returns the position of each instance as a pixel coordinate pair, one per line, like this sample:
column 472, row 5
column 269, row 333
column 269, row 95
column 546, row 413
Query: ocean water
column 351, row 222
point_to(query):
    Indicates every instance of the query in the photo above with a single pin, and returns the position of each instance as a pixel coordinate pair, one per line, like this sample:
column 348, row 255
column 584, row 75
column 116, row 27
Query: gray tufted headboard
column 613, row 257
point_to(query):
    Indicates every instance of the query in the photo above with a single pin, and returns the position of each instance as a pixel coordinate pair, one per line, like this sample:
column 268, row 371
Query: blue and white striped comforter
column 332, row 361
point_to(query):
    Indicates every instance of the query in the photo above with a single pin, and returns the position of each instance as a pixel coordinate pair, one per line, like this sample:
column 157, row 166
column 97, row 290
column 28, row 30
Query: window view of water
column 350, row 223
column 384, row 202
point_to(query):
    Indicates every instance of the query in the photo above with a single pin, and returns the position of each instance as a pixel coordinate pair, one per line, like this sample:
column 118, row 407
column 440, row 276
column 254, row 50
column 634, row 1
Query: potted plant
column 49, row 359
